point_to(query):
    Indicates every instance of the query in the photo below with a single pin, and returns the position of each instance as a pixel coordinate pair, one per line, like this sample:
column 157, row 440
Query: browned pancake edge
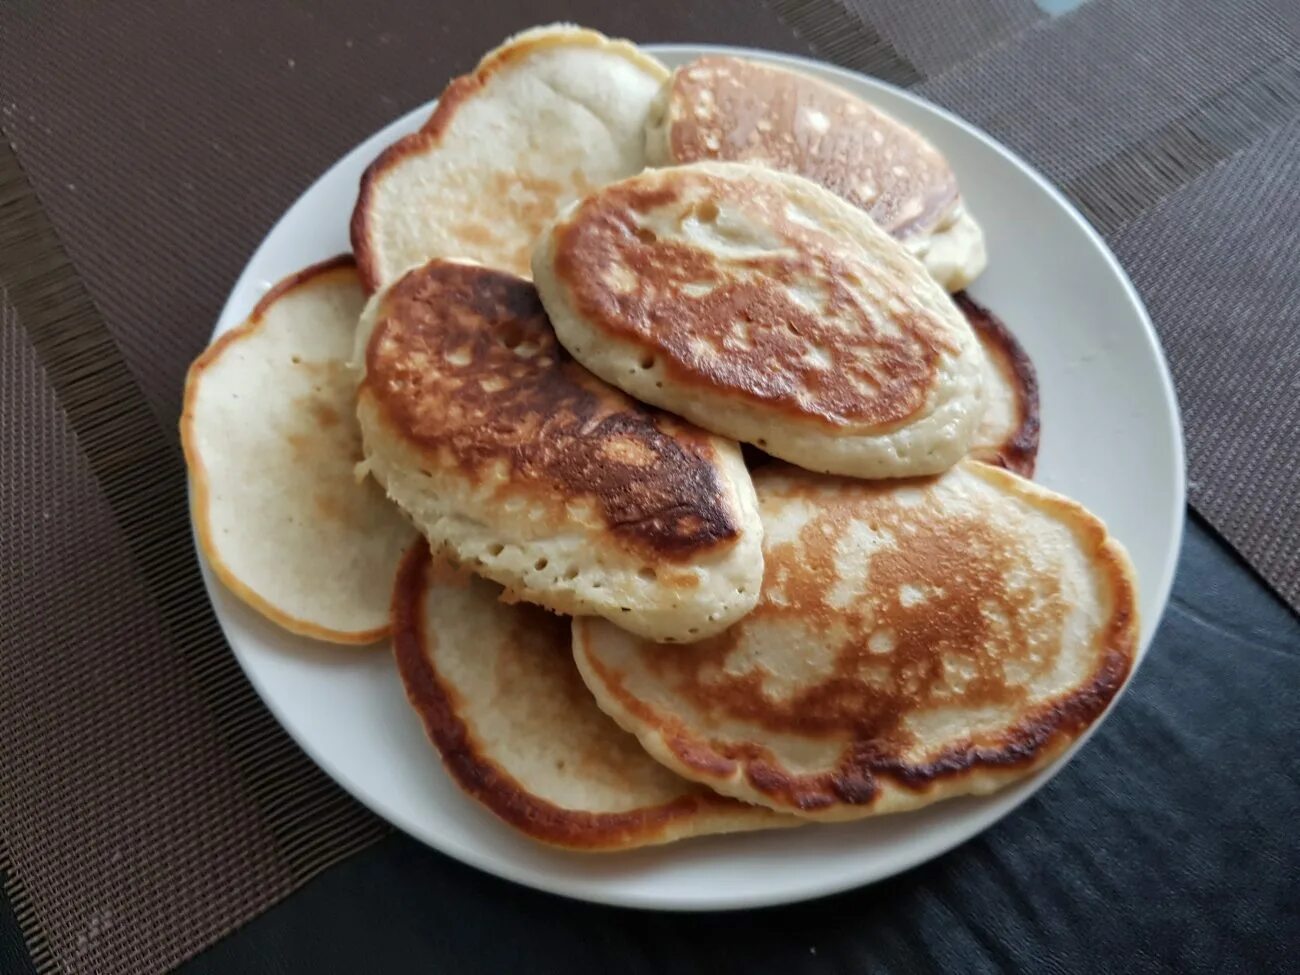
column 464, row 758
column 466, row 369
column 832, row 705
column 1019, row 451
column 601, row 241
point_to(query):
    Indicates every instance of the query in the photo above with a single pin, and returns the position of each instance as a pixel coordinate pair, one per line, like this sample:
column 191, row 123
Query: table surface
column 1179, row 855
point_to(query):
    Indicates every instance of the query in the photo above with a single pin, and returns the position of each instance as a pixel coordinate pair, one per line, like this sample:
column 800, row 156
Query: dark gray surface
column 1169, row 844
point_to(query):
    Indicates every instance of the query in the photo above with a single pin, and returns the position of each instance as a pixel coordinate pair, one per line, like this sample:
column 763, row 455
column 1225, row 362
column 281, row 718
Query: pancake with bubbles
column 764, row 308
column 914, row 641
column 523, row 466
column 725, row 108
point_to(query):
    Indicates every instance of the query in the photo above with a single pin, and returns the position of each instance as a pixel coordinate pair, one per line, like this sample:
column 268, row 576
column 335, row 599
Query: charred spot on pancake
column 731, row 109
column 465, row 364
column 781, row 322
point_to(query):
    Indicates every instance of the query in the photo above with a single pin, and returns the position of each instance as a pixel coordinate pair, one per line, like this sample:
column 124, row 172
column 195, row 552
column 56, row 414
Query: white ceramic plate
column 1111, row 438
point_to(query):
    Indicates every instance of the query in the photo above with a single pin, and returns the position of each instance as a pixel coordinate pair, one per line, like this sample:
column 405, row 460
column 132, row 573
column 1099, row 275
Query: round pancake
column 515, row 460
column 271, row 441
column 727, row 108
column 1008, row 431
column 914, row 641
column 764, row 308
column 547, row 116
column 501, row 700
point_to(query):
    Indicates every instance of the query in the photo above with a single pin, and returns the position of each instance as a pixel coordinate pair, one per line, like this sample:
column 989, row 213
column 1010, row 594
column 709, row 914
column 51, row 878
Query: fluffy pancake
column 727, row 108
column 503, row 703
column 271, row 440
column 544, row 118
column 1008, row 431
column 914, row 641
column 766, row 309
column 514, row 459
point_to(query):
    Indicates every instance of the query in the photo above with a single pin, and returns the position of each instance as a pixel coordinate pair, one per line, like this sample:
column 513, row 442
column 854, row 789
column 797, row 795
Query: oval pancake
column 914, row 641
column 1008, row 431
column 526, row 468
column 501, row 700
column 549, row 115
column 271, row 442
column 727, row 108
column 764, row 308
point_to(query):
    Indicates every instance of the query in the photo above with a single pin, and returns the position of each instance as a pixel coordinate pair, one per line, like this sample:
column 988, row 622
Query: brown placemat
column 148, row 803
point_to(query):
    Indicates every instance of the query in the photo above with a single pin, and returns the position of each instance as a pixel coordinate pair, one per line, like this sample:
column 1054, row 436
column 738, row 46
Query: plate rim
column 795, row 890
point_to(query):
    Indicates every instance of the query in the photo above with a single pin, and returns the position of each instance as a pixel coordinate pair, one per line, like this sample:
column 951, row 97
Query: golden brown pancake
column 726, row 108
column 1008, row 431
column 501, row 699
column 914, row 640
column 527, row 468
column 765, row 308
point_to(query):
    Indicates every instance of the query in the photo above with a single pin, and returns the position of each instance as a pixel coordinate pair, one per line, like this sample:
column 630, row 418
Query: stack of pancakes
column 575, row 294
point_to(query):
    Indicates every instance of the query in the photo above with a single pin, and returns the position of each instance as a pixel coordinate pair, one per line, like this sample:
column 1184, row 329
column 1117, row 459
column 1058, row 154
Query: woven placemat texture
column 148, row 802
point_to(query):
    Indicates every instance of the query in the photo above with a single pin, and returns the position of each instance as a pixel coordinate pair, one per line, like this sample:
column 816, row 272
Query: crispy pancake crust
column 1013, row 442
column 930, row 661
column 469, row 759
column 728, row 108
column 494, row 388
column 763, row 307
column 513, row 457
column 327, row 503
column 543, row 196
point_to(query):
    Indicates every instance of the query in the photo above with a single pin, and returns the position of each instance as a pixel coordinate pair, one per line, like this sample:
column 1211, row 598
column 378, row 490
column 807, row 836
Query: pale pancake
column 502, row 702
column 765, row 308
column 914, row 641
column 546, row 117
column 726, row 108
column 1008, row 431
column 271, row 440
column 526, row 468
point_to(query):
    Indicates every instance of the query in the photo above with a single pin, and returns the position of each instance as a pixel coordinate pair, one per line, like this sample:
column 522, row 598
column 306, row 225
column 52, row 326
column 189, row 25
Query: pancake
column 766, row 309
column 914, row 641
column 1008, row 431
column 517, row 462
column 501, row 700
column 546, row 117
column 729, row 109
column 271, row 440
